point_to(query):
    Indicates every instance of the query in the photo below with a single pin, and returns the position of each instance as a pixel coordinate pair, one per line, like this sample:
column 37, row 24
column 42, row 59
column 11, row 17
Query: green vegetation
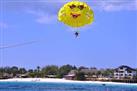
column 54, row 71
column 65, row 69
column 107, row 72
column 80, row 76
column 49, row 70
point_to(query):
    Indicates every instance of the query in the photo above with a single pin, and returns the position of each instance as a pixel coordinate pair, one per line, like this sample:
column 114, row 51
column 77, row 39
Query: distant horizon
column 68, row 64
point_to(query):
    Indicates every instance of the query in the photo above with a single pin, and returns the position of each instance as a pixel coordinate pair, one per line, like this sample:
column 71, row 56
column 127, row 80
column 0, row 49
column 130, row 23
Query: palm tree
column 38, row 69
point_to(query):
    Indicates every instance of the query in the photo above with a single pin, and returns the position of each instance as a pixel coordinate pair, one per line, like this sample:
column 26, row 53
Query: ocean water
column 41, row 86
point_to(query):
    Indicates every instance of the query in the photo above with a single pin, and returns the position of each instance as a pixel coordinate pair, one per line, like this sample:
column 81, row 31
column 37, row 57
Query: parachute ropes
column 76, row 14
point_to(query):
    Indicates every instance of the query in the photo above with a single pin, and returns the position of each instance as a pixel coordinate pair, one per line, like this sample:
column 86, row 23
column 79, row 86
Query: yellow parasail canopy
column 76, row 14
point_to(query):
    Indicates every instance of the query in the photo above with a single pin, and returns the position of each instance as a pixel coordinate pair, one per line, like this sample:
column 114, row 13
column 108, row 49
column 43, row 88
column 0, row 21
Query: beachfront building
column 91, row 71
column 6, row 76
column 123, row 72
column 71, row 75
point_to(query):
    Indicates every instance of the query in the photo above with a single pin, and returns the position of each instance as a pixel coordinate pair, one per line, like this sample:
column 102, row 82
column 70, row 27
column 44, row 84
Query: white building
column 124, row 72
column 71, row 75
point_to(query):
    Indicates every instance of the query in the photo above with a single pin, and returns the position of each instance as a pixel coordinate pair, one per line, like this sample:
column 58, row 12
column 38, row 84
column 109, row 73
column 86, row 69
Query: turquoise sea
column 45, row 86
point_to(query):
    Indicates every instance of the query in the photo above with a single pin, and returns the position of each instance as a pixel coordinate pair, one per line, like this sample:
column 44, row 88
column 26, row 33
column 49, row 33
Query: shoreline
column 55, row 80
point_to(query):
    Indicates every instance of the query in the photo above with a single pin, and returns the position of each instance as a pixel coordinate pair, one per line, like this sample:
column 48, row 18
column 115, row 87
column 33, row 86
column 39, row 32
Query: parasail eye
column 81, row 7
column 72, row 6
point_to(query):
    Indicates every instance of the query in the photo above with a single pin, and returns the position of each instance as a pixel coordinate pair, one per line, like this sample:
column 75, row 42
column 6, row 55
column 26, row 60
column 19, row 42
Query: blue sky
column 31, row 35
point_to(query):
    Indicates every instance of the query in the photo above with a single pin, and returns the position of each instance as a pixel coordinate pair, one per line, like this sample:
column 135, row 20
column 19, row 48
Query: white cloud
column 116, row 5
column 3, row 25
column 43, row 17
column 52, row 6
column 47, row 19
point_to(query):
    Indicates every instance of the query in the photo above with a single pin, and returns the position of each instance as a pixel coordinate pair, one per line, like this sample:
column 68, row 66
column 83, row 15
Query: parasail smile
column 75, row 15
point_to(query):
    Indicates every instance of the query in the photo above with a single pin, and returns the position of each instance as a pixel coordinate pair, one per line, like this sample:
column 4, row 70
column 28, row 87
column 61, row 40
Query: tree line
column 57, row 72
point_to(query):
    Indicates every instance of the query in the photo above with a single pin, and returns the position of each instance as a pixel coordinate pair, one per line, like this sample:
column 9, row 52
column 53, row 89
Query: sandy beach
column 60, row 81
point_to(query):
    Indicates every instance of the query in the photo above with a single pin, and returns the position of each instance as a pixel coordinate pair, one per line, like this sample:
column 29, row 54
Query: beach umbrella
column 76, row 14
